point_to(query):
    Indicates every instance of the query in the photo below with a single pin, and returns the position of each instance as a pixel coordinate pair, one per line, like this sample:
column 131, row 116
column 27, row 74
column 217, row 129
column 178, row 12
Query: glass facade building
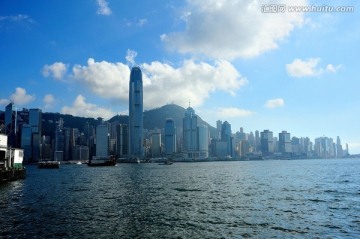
column 102, row 141
column 136, row 113
column 170, row 136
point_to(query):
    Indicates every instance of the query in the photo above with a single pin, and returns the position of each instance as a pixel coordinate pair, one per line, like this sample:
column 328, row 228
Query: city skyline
column 291, row 71
column 196, row 143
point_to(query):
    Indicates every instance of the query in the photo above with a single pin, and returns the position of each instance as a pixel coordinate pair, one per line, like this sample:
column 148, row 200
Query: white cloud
column 135, row 22
column 163, row 83
column 192, row 80
column 308, row 68
column 300, row 68
column 332, row 69
column 103, row 8
column 233, row 112
column 56, row 70
column 105, row 79
column 49, row 101
column 4, row 101
column 81, row 108
column 229, row 29
column 17, row 18
column 130, row 57
column 142, row 22
column 19, row 97
column 274, row 103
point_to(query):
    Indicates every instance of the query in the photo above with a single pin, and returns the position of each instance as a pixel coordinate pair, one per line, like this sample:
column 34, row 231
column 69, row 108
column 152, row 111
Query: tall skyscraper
column 59, row 141
column 257, row 141
column 266, row 141
column 155, row 142
column 102, row 141
column 339, row 149
column 195, row 137
column 10, row 124
column 203, row 141
column 122, row 140
column 218, row 129
column 136, row 113
column 170, row 137
column 190, row 123
column 35, row 121
column 226, row 136
column 284, row 142
column 324, row 147
column 26, row 142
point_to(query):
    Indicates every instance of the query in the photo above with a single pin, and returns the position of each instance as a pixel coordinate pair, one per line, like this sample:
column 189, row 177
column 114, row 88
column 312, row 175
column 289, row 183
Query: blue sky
column 294, row 71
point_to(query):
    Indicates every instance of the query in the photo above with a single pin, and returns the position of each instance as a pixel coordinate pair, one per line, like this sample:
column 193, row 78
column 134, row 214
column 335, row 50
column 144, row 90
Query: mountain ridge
column 154, row 118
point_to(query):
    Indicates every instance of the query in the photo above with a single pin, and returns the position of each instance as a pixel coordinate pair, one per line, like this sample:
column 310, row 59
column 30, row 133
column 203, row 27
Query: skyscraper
column 195, row 136
column 339, row 149
column 284, row 142
column 10, row 124
column 203, row 141
column 35, row 120
column 102, row 141
column 136, row 113
column 266, row 141
column 155, row 142
column 218, row 129
column 226, row 136
column 190, row 123
column 59, row 141
column 170, row 137
column 26, row 142
column 122, row 140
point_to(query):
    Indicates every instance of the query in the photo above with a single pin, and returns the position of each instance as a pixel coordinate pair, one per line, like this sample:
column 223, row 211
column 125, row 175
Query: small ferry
column 48, row 164
column 102, row 161
column 167, row 162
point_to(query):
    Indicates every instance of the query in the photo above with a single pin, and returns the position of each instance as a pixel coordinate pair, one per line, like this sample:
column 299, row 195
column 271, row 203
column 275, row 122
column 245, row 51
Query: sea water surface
column 245, row 199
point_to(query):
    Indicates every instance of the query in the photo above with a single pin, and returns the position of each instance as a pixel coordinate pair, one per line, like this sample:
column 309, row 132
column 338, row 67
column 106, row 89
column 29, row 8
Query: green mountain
column 50, row 121
column 154, row 118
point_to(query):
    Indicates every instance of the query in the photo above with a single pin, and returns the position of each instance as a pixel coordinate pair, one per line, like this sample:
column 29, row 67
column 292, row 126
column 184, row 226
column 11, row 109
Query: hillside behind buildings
column 154, row 118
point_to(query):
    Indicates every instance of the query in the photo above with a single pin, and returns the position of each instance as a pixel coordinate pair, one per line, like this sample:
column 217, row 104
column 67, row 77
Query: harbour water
column 245, row 199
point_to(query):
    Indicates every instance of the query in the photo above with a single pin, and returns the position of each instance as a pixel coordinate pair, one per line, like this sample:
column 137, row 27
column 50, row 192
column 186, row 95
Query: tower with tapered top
column 136, row 113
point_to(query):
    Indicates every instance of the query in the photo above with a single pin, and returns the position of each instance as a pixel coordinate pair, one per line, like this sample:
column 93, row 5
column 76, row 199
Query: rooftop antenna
column 189, row 103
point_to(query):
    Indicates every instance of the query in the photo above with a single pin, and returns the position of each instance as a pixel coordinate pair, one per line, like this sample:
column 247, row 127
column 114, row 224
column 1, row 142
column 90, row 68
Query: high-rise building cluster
column 131, row 141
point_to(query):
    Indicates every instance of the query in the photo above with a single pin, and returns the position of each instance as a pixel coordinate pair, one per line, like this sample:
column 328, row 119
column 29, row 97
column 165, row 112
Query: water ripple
column 261, row 199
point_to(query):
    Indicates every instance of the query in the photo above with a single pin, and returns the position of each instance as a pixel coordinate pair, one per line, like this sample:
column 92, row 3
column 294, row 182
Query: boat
column 49, row 164
column 167, row 162
column 102, row 161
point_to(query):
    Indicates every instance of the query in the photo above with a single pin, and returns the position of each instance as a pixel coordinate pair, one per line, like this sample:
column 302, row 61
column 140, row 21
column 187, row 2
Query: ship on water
column 11, row 162
column 48, row 164
column 102, row 161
